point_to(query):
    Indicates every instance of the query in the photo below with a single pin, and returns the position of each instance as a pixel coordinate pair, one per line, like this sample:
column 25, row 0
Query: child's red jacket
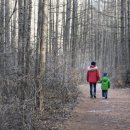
column 92, row 75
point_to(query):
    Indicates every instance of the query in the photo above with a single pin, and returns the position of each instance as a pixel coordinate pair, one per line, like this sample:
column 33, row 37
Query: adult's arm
column 108, row 83
column 87, row 75
column 98, row 77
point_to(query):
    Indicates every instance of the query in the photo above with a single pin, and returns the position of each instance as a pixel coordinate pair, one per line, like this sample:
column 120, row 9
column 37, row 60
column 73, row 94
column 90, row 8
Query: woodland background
column 45, row 48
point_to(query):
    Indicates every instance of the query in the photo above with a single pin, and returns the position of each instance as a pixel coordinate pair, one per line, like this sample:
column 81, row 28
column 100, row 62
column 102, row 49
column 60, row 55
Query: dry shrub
column 17, row 110
column 119, row 80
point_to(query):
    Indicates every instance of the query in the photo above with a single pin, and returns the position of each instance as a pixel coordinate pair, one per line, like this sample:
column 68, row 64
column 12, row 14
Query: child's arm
column 100, row 81
column 108, row 83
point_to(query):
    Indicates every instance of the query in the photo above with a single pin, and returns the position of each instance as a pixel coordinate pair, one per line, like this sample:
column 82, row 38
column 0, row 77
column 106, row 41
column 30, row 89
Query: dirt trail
column 99, row 113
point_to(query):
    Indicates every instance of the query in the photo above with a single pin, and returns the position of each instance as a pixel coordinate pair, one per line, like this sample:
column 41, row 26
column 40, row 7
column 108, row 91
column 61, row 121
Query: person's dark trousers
column 93, row 89
column 104, row 93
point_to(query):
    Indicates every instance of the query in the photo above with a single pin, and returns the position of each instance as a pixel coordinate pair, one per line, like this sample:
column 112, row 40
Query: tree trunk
column 42, row 32
column 21, row 37
column 2, row 68
column 129, row 31
column 27, row 50
column 123, row 44
column 74, row 34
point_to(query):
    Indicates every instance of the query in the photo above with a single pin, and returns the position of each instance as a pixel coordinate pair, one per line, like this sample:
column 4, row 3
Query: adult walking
column 92, row 77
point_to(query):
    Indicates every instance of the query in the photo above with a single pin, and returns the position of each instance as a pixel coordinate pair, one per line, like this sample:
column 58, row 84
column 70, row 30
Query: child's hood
column 105, row 78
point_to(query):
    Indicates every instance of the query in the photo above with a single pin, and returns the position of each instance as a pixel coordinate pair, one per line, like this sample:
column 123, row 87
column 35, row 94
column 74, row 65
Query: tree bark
column 129, row 31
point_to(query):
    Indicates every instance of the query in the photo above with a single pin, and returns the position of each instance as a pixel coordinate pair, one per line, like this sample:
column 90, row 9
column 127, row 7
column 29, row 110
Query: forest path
column 99, row 113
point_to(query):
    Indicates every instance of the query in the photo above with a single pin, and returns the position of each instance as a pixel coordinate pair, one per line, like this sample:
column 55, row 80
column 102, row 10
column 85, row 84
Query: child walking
column 105, row 85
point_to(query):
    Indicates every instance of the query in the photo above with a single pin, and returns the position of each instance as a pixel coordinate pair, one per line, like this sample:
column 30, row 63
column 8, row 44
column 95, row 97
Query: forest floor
column 101, row 114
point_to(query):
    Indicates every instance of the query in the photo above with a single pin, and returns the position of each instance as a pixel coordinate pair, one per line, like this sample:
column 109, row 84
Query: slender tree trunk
column 41, row 50
column 55, row 54
column 21, row 37
column 66, row 37
column 123, row 56
column 14, row 33
column 43, row 43
column 27, row 50
column 2, row 69
column 74, row 34
column 129, row 30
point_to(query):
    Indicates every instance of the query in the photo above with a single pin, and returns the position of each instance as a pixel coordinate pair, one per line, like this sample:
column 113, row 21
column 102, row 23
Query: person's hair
column 104, row 74
column 93, row 63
